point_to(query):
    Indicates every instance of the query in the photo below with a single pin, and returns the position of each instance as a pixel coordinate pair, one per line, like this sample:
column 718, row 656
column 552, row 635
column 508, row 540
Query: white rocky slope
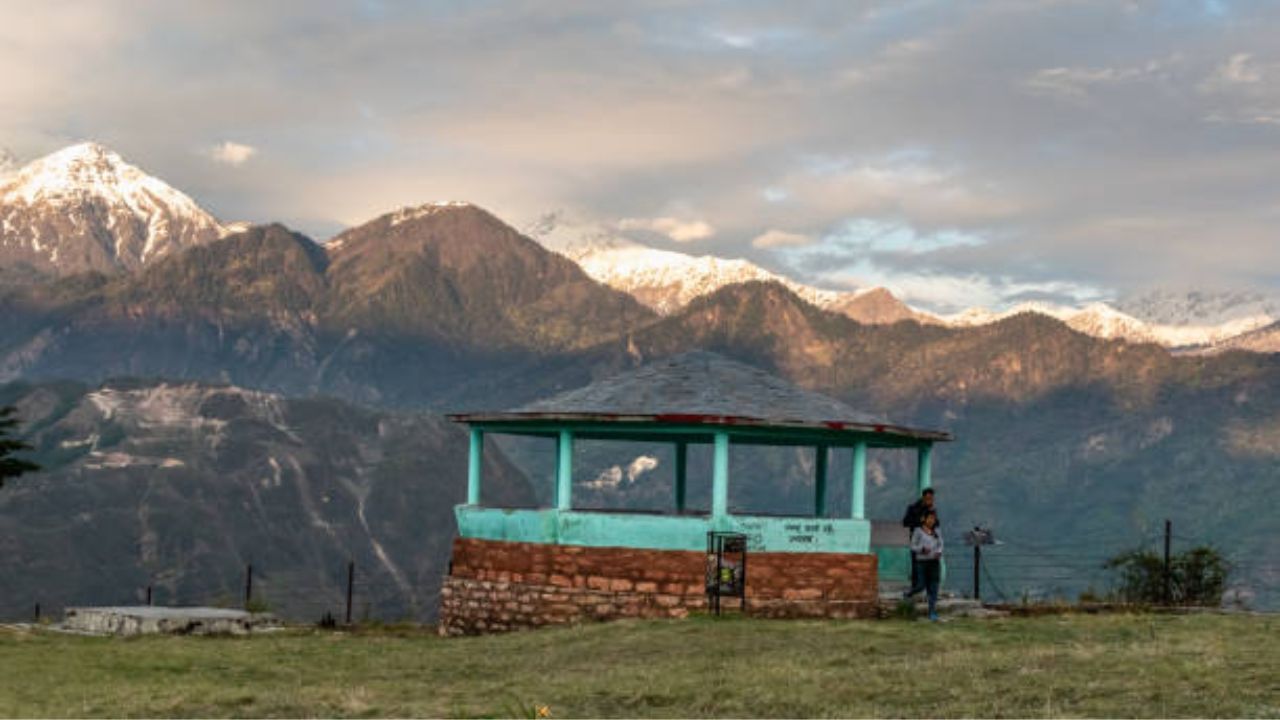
column 1169, row 306
column 1104, row 321
column 667, row 281
column 84, row 208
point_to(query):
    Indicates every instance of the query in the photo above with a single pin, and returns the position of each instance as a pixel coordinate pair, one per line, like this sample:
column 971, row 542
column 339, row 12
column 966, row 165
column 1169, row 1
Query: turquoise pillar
column 720, row 480
column 475, row 466
column 924, row 468
column 820, row 481
column 859, row 490
column 682, row 475
column 564, row 470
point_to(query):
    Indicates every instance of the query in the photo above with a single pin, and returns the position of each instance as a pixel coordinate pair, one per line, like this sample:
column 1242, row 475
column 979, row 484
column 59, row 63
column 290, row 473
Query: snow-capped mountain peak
column 85, row 208
column 1169, row 306
column 1104, row 321
column 666, row 280
column 407, row 213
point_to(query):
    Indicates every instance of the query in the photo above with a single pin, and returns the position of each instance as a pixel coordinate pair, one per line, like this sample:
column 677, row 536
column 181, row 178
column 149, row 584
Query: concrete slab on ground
column 149, row 620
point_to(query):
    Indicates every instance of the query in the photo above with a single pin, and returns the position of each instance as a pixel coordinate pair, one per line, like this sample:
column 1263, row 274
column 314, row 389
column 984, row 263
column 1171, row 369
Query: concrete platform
column 148, row 620
column 948, row 606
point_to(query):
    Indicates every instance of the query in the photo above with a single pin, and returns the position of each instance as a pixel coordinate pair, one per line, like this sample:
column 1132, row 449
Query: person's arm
column 917, row 541
column 908, row 518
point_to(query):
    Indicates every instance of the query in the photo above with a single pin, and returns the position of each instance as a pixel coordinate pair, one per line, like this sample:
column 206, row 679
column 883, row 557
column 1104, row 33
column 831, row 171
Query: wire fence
column 346, row 597
column 1011, row 571
column 1021, row 570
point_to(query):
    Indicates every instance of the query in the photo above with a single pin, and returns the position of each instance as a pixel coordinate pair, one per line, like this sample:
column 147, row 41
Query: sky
column 972, row 153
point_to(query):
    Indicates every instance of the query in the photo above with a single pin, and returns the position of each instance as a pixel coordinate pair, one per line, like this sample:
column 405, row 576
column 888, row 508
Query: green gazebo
column 698, row 398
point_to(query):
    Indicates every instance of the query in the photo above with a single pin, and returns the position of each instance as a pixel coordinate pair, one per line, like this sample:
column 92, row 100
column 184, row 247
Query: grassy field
column 1120, row 665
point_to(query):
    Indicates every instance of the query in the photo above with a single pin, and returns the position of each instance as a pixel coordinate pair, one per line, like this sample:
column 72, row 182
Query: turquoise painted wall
column 661, row 532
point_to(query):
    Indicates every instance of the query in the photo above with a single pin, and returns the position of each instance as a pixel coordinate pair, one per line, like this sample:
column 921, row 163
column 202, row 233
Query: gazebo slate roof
column 701, row 388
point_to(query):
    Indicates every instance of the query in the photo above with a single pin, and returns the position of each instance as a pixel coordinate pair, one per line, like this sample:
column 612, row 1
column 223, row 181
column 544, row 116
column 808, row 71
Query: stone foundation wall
column 495, row 586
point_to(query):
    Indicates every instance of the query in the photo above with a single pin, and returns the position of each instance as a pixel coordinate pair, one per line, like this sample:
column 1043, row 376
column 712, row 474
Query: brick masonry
column 496, row 586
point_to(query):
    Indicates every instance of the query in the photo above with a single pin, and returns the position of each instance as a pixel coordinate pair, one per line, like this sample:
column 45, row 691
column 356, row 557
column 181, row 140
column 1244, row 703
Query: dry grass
column 1120, row 665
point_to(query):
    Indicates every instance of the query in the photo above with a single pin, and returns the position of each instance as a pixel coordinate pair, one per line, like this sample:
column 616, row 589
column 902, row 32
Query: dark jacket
column 914, row 517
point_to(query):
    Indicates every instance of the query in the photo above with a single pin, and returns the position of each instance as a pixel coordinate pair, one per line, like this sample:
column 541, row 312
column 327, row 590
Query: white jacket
column 925, row 546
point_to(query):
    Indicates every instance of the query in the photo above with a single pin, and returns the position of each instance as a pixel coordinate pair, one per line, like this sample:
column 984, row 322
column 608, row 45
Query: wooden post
column 149, row 602
column 248, row 584
column 351, row 579
column 1168, row 575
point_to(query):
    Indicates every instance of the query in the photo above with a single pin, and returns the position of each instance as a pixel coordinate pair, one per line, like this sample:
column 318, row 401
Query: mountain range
column 84, row 209
column 1067, row 440
column 666, row 281
column 180, row 486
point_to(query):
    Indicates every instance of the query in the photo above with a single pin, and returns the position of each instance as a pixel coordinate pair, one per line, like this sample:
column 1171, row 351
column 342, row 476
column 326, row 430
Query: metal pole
column 977, row 563
column 351, row 578
column 820, row 481
column 682, row 475
column 37, row 612
column 149, row 596
column 248, row 584
column 1168, row 577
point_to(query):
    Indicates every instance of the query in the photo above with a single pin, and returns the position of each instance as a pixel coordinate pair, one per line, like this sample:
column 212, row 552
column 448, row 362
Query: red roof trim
column 698, row 419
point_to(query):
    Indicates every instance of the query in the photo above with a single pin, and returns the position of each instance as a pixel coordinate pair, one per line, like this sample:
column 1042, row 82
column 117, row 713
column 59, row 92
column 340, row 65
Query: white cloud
column 1239, row 69
column 674, row 228
column 780, row 238
column 947, row 293
column 232, row 153
column 1074, row 83
column 897, row 185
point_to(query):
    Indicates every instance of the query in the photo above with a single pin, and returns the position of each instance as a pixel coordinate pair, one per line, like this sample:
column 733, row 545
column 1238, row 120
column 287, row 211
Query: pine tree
column 10, row 466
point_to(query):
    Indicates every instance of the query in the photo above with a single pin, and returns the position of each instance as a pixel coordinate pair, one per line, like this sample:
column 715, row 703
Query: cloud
column 674, row 228
column 232, row 153
column 1239, row 69
column 950, row 293
column 779, row 238
column 1044, row 130
column 1076, row 83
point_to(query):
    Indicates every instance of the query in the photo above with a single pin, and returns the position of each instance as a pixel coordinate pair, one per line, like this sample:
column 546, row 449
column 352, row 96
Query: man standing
column 913, row 519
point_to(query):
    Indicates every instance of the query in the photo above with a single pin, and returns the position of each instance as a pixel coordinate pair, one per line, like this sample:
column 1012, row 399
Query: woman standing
column 926, row 548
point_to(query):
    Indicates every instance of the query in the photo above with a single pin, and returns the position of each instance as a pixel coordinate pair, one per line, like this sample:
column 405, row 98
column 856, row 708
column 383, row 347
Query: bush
column 1197, row 577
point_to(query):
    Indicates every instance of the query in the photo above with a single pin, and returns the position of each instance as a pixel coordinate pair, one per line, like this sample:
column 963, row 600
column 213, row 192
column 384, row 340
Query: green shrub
column 1197, row 577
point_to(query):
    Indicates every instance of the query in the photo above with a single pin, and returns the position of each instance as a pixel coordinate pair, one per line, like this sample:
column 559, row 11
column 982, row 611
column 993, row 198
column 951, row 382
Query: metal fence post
column 351, row 579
